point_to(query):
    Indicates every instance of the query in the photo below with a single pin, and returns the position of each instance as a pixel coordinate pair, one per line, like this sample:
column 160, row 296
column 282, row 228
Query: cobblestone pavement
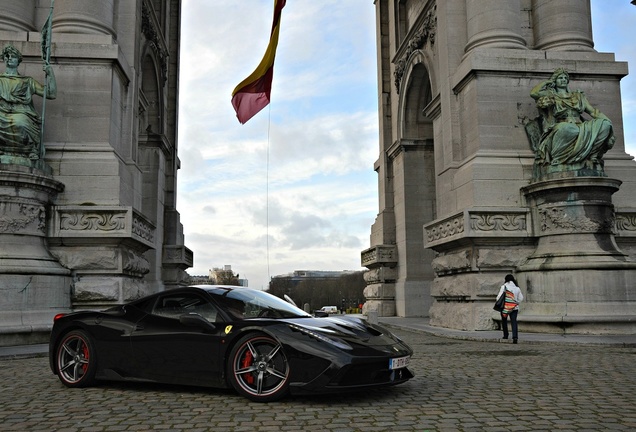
column 459, row 386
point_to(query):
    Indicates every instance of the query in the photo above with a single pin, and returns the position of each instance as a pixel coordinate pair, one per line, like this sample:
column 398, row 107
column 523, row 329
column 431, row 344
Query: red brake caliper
column 85, row 353
column 248, row 358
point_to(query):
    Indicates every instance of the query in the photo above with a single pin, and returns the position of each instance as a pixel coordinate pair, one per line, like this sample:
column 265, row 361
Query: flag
column 253, row 93
column 46, row 56
column 46, row 36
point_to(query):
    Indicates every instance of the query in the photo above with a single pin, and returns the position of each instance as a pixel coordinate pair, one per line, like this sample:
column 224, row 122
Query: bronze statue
column 20, row 124
column 565, row 140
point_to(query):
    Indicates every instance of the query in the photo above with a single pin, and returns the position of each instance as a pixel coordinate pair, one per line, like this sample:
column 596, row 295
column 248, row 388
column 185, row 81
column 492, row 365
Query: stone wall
column 110, row 139
column 457, row 75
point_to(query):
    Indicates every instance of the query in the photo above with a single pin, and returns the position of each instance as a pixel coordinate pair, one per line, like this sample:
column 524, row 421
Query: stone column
column 577, row 277
column 81, row 16
column 563, row 25
column 34, row 285
column 494, row 24
column 17, row 15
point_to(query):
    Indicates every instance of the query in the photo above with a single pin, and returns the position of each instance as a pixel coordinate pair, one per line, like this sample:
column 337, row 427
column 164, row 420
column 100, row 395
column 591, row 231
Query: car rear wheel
column 258, row 368
column 75, row 360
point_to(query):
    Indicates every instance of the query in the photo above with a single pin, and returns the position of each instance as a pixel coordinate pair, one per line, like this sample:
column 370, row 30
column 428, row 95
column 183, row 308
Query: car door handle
column 138, row 327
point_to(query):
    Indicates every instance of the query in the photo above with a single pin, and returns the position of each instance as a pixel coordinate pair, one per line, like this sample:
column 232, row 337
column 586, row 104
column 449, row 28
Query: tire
column 76, row 360
column 258, row 368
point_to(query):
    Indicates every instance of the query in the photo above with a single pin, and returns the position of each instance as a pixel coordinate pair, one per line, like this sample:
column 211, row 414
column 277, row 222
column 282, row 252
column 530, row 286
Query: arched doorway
column 412, row 164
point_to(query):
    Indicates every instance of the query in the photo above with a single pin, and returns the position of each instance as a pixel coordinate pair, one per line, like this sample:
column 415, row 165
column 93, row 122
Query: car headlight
column 321, row 337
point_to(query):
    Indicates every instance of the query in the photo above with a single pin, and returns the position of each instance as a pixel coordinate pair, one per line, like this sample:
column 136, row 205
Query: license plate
column 398, row 363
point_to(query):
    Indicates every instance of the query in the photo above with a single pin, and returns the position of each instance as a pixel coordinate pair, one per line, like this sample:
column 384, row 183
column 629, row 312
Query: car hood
column 350, row 329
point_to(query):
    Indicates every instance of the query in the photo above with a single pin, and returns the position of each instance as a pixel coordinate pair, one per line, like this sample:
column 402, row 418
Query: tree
column 225, row 277
column 343, row 292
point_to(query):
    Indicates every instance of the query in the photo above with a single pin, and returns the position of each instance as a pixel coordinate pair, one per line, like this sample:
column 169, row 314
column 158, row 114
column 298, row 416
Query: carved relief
column 135, row 264
column 478, row 223
column 445, row 229
column 626, row 221
column 102, row 221
column 142, row 229
column 425, row 34
column 498, row 222
column 560, row 219
column 16, row 217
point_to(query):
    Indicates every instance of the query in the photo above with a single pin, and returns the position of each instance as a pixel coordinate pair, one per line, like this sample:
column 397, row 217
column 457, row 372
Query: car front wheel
column 75, row 360
column 258, row 368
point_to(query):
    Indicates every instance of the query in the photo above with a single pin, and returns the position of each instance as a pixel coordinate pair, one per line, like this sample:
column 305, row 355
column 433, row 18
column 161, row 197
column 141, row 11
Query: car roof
column 221, row 289
column 211, row 289
column 228, row 287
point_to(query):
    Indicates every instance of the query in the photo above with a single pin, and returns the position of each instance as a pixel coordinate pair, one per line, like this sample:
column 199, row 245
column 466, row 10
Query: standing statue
column 20, row 124
column 565, row 141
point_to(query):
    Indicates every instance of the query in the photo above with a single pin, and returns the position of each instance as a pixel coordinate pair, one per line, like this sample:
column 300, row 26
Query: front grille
column 364, row 374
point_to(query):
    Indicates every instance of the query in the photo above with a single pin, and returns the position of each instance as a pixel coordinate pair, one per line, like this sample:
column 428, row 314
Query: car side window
column 173, row 306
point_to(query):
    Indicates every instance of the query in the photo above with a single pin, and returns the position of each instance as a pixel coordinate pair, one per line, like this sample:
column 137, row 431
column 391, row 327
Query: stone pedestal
column 380, row 279
column 34, row 285
column 577, row 280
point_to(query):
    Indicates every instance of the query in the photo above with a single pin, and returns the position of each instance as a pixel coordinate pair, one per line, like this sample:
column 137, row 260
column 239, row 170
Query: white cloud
column 613, row 30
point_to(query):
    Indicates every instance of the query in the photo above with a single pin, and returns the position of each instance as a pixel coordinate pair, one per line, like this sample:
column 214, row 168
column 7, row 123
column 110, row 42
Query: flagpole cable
column 269, row 126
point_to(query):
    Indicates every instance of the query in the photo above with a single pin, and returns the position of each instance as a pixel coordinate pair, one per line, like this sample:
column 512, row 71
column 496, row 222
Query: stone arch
column 151, row 106
column 412, row 166
column 416, row 93
column 153, row 147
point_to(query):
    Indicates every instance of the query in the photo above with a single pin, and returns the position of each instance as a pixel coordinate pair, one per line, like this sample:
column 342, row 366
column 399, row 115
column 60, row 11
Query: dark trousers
column 513, row 323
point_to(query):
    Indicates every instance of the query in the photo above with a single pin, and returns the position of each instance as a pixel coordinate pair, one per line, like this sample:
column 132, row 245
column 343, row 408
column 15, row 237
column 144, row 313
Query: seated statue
column 567, row 141
column 20, row 124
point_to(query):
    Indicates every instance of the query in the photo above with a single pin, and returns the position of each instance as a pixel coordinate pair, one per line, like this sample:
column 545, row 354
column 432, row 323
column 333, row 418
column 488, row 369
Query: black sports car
column 226, row 337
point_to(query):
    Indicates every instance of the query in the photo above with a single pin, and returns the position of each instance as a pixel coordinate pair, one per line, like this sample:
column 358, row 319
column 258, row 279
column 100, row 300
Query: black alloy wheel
column 75, row 360
column 258, row 368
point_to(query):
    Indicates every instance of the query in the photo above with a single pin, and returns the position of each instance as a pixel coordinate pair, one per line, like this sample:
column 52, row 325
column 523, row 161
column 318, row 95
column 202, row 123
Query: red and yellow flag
column 252, row 94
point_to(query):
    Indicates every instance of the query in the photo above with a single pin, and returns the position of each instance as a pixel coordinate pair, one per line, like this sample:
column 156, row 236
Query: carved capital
column 380, row 255
column 107, row 223
column 478, row 223
column 178, row 255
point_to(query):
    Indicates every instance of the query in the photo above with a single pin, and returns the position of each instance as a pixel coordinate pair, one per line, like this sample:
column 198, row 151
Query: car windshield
column 245, row 303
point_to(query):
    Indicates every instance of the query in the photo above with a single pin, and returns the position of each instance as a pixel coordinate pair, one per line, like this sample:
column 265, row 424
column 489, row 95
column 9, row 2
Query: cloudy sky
column 294, row 188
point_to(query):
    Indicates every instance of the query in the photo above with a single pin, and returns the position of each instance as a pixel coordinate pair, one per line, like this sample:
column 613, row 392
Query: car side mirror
column 195, row 320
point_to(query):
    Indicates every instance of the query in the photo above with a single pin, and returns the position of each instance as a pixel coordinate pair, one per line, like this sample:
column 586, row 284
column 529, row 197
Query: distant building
column 219, row 276
column 200, row 280
column 300, row 275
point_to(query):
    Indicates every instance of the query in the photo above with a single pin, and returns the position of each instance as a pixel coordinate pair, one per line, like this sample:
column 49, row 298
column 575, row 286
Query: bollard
column 372, row 317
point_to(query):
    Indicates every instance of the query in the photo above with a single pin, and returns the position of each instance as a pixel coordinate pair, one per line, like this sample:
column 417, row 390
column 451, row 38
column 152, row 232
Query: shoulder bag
column 499, row 304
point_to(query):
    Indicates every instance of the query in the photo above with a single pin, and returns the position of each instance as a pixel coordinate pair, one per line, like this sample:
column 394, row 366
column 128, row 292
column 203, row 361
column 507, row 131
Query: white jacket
column 514, row 289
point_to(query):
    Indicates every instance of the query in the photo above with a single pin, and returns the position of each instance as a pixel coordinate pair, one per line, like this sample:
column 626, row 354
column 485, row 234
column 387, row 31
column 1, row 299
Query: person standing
column 511, row 306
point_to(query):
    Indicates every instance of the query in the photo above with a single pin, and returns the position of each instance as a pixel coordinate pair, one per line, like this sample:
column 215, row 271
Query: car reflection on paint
column 226, row 337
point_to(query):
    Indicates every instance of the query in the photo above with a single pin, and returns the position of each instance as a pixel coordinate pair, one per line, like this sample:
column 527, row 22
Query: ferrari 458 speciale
column 226, row 337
